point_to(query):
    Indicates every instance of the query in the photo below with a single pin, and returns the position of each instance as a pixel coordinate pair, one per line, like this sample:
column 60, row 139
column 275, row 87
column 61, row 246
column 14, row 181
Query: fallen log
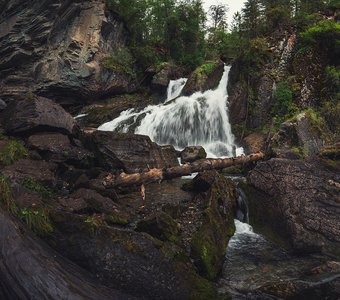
column 155, row 175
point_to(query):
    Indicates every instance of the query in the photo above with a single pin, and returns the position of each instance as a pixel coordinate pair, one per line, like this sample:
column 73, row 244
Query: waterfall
column 199, row 119
column 175, row 88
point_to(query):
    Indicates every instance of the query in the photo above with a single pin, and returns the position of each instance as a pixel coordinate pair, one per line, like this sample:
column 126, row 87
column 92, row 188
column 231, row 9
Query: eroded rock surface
column 56, row 49
column 300, row 201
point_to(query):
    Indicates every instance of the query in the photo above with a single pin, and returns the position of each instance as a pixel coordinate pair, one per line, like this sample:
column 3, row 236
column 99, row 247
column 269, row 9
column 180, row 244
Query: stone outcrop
column 58, row 147
column 306, row 132
column 131, row 153
column 299, row 201
column 37, row 113
column 56, row 49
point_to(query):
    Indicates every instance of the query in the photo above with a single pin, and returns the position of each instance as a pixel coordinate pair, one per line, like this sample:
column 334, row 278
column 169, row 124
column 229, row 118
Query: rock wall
column 55, row 49
column 299, row 201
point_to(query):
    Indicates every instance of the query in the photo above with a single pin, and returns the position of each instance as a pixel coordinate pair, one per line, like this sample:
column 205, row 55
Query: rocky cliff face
column 55, row 49
column 299, row 201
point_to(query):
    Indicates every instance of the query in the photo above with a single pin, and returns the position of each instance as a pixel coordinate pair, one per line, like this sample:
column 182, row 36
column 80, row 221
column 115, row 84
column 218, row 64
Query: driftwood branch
column 155, row 175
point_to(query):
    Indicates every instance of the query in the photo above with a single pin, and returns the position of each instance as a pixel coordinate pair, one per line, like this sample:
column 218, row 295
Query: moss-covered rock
column 209, row 243
column 160, row 225
column 205, row 77
column 306, row 131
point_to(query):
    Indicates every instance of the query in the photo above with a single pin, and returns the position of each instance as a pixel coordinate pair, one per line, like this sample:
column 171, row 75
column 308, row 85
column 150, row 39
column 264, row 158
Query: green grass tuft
column 38, row 221
column 33, row 185
column 12, row 152
column 6, row 196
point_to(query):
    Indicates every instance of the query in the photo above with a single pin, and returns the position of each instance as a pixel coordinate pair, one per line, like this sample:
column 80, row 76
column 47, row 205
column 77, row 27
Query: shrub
column 121, row 61
column 283, row 100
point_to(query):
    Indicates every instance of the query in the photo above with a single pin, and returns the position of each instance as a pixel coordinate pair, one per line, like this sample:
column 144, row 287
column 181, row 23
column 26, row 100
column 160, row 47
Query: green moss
column 12, row 152
column 203, row 71
column 317, row 123
column 6, row 196
column 38, row 221
column 34, row 185
column 114, row 220
column 209, row 243
column 199, row 287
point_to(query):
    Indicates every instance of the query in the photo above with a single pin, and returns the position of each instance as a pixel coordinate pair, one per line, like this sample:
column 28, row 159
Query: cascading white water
column 199, row 119
column 175, row 88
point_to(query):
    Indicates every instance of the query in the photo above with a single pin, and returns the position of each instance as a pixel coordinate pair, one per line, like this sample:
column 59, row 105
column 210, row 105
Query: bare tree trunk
column 187, row 169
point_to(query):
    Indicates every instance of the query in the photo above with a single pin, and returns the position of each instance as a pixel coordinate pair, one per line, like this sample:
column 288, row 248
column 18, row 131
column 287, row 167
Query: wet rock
column 203, row 80
column 192, row 153
column 57, row 147
column 131, row 153
column 60, row 55
column 301, row 204
column 237, row 103
column 37, row 113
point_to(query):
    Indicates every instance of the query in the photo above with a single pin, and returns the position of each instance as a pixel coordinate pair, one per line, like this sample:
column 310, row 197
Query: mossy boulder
column 205, row 77
column 209, row 243
column 306, row 132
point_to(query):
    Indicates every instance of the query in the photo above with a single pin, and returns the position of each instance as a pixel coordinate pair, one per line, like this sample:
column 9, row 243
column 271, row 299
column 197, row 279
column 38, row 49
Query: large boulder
column 130, row 261
column 298, row 201
column 305, row 133
column 131, row 153
column 58, row 147
column 57, row 49
column 205, row 77
column 36, row 114
column 54, row 276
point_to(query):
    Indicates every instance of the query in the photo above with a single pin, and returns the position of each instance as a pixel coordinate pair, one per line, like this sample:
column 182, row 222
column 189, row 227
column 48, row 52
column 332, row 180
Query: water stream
column 199, row 119
column 252, row 263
